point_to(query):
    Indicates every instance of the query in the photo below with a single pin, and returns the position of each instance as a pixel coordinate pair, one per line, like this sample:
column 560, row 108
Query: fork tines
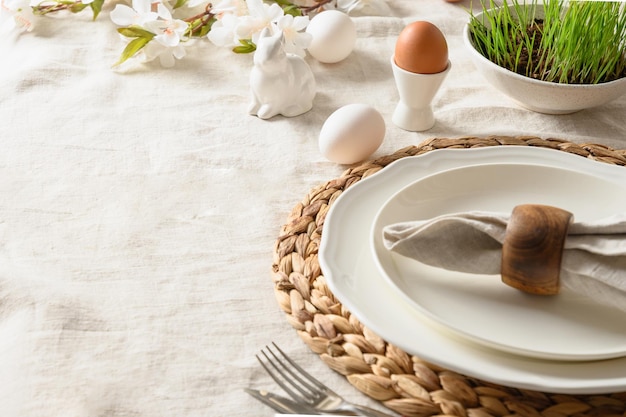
column 289, row 375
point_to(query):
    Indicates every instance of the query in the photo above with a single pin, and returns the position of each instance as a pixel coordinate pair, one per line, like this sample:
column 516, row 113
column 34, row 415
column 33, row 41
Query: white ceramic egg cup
column 414, row 112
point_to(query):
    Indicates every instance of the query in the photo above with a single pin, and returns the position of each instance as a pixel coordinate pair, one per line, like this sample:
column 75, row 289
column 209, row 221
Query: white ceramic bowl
column 543, row 96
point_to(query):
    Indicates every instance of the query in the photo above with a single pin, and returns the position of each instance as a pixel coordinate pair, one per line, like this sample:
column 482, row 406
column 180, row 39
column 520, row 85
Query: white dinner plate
column 351, row 273
column 564, row 327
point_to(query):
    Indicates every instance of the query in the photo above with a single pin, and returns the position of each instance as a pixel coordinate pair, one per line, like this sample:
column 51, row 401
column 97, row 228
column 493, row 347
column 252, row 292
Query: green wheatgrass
column 578, row 42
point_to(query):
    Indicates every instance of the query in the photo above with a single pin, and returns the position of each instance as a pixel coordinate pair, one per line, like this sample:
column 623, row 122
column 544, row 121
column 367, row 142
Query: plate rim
column 551, row 378
column 445, row 323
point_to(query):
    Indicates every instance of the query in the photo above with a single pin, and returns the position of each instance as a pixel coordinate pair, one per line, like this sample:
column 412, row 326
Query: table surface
column 139, row 207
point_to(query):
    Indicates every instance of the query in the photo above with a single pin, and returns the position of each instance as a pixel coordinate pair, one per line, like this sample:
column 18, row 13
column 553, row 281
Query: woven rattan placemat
column 401, row 382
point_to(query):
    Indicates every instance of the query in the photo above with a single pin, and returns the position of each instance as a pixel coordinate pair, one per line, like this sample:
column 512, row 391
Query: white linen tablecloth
column 138, row 209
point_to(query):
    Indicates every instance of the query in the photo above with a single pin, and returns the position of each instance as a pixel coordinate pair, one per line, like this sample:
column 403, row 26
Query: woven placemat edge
column 401, row 382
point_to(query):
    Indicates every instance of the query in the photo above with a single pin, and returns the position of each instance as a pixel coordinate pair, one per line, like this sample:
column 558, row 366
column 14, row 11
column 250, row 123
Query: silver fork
column 302, row 387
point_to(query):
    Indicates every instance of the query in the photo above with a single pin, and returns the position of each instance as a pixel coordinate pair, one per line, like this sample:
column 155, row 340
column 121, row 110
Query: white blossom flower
column 228, row 14
column 167, row 54
column 261, row 16
column 194, row 3
column 17, row 14
column 169, row 31
column 223, row 31
column 236, row 7
column 237, row 20
column 371, row 7
column 139, row 14
column 166, row 44
column 296, row 41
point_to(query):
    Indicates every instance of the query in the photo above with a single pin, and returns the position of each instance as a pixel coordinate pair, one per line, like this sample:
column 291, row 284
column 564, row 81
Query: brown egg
column 421, row 48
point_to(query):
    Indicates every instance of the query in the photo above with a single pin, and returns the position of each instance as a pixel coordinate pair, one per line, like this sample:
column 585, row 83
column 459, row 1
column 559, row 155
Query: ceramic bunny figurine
column 281, row 83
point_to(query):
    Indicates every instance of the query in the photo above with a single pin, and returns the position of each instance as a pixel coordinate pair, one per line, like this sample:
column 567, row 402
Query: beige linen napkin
column 593, row 263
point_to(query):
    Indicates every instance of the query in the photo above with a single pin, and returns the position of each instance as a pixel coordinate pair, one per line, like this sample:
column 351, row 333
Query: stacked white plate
column 474, row 324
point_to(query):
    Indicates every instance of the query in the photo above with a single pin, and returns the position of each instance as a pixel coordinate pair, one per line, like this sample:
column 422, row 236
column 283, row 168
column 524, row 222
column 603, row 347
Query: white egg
column 351, row 134
column 334, row 36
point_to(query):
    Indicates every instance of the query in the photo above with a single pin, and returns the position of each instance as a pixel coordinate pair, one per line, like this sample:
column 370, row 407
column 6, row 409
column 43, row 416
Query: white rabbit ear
column 279, row 34
column 265, row 33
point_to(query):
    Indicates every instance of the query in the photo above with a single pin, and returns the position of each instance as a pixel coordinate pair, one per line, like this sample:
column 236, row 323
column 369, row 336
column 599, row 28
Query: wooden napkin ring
column 533, row 248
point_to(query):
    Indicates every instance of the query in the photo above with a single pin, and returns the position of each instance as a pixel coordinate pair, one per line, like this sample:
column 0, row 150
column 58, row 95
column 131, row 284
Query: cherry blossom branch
column 308, row 9
column 73, row 6
column 200, row 24
column 153, row 31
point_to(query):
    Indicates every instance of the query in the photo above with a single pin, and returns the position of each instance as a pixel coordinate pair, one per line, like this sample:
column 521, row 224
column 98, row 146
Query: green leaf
column 77, row 7
column 206, row 28
column 96, row 7
column 247, row 46
column 131, row 49
column 136, row 32
column 200, row 27
column 292, row 10
column 179, row 3
column 283, row 3
column 288, row 7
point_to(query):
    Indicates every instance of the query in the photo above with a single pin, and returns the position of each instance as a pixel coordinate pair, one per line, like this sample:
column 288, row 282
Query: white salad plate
column 564, row 327
column 352, row 275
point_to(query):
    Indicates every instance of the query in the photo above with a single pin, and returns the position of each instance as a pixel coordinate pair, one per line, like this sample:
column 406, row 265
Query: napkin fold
column 593, row 263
